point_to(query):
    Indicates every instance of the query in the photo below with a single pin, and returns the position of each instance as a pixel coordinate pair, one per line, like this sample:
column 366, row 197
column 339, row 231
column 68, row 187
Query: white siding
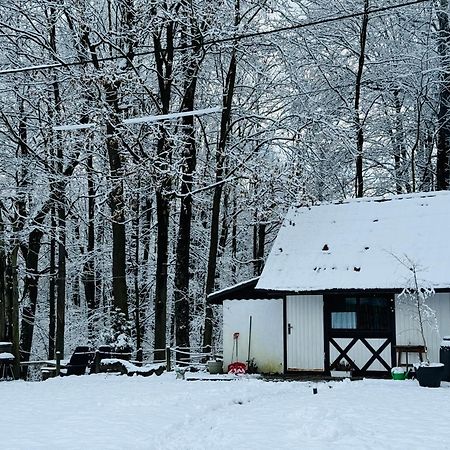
column 407, row 330
column 305, row 341
column 267, row 332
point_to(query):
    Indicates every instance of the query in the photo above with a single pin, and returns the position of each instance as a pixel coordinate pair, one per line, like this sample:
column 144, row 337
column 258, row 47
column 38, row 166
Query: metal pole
column 249, row 340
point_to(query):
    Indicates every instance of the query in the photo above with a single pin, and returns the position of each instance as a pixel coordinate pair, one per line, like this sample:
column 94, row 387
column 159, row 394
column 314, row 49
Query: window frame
column 331, row 300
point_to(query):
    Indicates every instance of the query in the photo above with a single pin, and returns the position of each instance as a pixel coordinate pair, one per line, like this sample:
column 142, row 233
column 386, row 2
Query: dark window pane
column 351, row 303
column 344, row 304
column 374, row 314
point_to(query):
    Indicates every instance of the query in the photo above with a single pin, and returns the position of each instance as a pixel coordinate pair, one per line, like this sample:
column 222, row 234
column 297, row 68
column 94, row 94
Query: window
column 343, row 315
column 343, row 320
column 360, row 313
column 374, row 314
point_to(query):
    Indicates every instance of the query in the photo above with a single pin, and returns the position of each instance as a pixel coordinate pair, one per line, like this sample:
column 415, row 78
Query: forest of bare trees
column 114, row 229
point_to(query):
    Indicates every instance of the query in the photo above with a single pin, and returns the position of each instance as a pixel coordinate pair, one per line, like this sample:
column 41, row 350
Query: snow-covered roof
column 246, row 283
column 242, row 290
column 367, row 243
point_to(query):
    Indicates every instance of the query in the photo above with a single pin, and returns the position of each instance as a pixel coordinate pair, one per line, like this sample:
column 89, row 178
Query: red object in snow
column 237, row 368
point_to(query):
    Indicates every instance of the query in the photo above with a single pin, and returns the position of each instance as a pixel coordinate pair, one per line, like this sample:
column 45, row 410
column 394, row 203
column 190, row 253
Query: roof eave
column 246, row 292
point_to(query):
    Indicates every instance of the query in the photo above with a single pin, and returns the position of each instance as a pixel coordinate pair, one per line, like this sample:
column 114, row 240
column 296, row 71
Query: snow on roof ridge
column 378, row 198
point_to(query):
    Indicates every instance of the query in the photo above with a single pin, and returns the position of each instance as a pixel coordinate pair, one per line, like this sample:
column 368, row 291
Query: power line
column 81, row 126
column 156, row 118
column 218, row 41
column 144, row 119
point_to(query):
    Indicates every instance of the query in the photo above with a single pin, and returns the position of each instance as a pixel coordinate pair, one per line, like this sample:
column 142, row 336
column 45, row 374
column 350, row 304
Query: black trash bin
column 444, row 356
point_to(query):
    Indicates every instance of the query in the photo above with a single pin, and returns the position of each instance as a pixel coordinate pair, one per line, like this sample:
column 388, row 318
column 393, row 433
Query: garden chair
column 79, row 361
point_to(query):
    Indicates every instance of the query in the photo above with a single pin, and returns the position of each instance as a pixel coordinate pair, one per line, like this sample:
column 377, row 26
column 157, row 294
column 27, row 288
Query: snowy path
column 98, row 412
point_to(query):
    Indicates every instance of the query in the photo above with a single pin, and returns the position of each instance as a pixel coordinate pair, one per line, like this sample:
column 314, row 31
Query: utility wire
column 219, row 41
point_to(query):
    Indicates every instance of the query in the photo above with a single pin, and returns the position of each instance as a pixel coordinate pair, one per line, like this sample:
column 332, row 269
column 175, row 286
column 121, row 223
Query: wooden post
column 168, row 361
column 58, row 363
column 140, row 356
column 97, row 362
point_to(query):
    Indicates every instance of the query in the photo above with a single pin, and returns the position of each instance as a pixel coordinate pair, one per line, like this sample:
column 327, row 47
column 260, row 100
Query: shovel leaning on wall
column 236, row 367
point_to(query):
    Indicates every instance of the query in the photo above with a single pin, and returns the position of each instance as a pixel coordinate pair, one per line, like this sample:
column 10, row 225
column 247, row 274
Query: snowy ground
column 112, row 412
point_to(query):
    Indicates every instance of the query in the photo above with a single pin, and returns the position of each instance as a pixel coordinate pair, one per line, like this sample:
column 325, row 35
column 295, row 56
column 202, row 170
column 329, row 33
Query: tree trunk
column 163, row 61
column 61, row 279
column 224, row 229
column 3, row 303
column 217, row 196
column 76, row 294
column 182, row 264
column 443, row 119
column 12, row 294
column 359, row 182
column 162, row 248
column 117, row 204
column 234, row 240
column 260, row 248
column 404, row 174
column 89, row 268
column 51, row 292
column 137, row 290
column 59, row 201
column 31, row 285
column 425, row 159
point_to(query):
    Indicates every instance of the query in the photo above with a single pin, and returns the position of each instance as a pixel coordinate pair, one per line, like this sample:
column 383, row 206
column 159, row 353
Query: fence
column 174, row 357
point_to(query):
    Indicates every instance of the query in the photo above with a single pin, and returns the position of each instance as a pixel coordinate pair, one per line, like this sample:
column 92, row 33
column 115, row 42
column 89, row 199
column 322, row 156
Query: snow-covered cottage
column 328, row 294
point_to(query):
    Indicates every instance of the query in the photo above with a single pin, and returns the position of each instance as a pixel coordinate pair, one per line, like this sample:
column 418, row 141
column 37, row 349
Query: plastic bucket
column 399, row 375
column 215, row 367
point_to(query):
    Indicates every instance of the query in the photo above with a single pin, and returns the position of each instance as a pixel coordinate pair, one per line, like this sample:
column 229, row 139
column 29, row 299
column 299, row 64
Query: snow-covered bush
column 119, row 335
